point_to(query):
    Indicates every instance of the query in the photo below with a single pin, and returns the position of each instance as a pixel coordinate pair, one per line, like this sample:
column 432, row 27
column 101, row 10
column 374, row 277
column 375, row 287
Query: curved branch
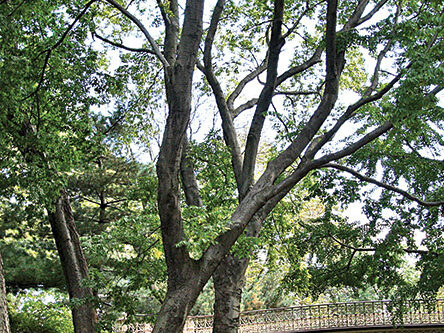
column 228, row 128
column 247, row 105
column 371, row 249
column 375, row 9
column 315, row 58
column 119, row 45
column 349, row 113
column 251, row 76
column 142, row 28
column 384, row 185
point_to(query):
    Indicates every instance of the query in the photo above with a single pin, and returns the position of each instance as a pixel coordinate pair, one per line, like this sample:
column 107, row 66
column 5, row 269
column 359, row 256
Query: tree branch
column 384, row 185
column 314, row 59
column 348, row 114
column 239, row 88
column 295, row 93
column 330, row 95
column 247, row 105
column 142, row 28
column 371, row 249
column 367, row 17
column 172, row 28
column 384, row 128
column 119, row 45
column 228, row 128
column 57, row 44
column 254, row 134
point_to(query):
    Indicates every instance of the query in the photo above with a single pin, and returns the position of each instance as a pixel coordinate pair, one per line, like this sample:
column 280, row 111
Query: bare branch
column 120, row 45
column 254, row 134
column 372, row 249
column 384, row 185
column 228, row 128
column 375, row 78
column 354, row 18
column 314, row 59
column 277, row 166
column 247, row 105
column 349, row 113
column 381, row 56
column 142, row 28
column 367, row 17
column 239, row 88
column 295, row 93
column 301, row 16
column 384, row 128
column 332, row 75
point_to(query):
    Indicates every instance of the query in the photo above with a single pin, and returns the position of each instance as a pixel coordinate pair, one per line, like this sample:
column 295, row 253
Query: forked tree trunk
column 4, row 320
column 74, row 265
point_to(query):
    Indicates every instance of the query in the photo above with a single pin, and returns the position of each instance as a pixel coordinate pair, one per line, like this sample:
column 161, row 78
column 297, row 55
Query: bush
column 39, row 312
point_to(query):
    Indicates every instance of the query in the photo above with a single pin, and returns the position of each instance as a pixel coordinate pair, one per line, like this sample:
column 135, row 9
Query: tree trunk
column 4, row 320
column 229, row 279
column 74, row 265
column 183, row 289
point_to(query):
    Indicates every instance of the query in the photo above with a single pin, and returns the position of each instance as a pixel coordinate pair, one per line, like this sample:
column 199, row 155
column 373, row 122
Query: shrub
column 39, row 312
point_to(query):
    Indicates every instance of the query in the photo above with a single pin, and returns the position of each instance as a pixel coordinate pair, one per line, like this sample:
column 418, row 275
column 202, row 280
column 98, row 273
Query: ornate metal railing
column 323, row 316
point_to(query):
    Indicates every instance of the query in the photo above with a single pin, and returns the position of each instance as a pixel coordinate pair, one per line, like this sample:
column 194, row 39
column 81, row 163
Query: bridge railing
column 322, row 316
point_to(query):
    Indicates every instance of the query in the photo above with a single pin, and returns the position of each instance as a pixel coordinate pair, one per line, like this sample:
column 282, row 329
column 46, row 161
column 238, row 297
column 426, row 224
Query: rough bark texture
column 4, row 320
column 184, row 275
column 189, row 181
column 229, row 279
column 73, row 264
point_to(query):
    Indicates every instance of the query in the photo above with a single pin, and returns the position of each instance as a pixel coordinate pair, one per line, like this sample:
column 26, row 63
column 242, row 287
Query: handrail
column 358, row 314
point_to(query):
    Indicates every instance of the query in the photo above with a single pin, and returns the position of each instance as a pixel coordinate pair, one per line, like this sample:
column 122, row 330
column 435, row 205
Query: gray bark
column 229, row 280
column 187, row 277
column 184, row 274
column 74, row 265
column 4, row 320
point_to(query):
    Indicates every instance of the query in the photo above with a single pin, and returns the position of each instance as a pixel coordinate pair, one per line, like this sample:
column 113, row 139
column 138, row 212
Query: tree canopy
column 257, row 119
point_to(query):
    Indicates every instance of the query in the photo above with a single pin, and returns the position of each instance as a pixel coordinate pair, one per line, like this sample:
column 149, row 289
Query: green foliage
column 37, row 312
column 71, row 118
column 124, row 250
column 28, row 249
column 211, row 160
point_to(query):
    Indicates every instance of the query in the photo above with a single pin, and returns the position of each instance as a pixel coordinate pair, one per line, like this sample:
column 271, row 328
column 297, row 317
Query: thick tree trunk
column 4, row 320
column 74, row 265
column 176, row 307
column 229, row 279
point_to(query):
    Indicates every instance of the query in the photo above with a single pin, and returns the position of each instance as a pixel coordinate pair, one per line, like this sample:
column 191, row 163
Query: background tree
column 46, row 74
column 4, row 320
column 388, row 135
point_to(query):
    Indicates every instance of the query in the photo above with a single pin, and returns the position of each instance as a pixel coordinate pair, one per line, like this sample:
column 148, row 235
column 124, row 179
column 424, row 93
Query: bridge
column 414, row 316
